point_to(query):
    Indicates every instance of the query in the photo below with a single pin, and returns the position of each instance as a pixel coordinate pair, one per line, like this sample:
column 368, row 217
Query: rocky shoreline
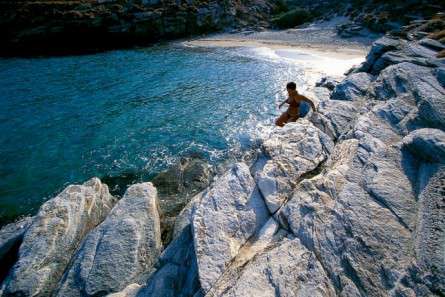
column 348, row 202
column 46, row 27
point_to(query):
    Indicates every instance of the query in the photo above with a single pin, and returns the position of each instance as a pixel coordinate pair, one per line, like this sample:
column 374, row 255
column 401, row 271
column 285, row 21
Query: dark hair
column 291, row 86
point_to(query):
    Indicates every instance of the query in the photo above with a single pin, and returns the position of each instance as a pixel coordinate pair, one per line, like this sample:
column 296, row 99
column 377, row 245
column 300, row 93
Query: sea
column 129, row 113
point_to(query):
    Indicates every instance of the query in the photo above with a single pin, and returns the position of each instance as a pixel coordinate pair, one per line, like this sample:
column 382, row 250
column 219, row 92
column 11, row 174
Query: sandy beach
column 316, row 48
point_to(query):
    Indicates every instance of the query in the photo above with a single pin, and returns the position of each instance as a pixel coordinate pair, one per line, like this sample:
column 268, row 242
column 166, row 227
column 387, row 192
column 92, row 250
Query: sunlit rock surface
column 120, row 250
column 55, row 234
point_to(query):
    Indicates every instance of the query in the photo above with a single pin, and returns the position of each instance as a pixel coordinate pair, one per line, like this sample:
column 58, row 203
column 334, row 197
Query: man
column 294, row 100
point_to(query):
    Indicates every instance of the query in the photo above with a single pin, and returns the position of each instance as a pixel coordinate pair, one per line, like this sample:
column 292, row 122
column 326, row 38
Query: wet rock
column 120, row 249
column 191, row 174
column 354, row 87
column 54, row 236
column 177, row 186
column 230, row 212
column 294, row 150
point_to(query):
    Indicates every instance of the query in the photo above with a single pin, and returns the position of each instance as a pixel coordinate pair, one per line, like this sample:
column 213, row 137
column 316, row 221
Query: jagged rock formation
column 364, row 219
column 120, row 250
column 226, row 217
column 53, row 237
column 348, row 202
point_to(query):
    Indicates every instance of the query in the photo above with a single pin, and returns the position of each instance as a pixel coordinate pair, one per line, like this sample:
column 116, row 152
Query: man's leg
column 282, row 119
column 292, row 119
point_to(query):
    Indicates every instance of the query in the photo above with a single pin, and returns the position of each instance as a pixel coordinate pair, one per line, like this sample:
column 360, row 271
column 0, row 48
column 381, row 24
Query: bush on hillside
column 292, row 18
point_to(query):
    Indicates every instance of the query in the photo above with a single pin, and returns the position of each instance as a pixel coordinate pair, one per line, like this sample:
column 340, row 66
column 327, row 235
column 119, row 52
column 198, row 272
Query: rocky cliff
column 33, row 27
column 41, row 27
column 348, row 202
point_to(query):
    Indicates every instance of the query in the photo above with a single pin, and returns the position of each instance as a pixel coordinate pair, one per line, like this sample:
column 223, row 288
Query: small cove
column 133, row 112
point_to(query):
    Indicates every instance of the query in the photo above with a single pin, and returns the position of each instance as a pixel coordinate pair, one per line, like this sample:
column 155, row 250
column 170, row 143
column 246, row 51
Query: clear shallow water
column 66, row 119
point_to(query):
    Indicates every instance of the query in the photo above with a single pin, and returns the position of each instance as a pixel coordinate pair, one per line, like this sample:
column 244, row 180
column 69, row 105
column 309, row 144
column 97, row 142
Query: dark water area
column 126, row 115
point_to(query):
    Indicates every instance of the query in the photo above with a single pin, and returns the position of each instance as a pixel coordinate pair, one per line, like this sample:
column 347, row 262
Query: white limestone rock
column 354, row 87
column 294, row 150
column 230, row 212
column 54, row 236
column 122, row 248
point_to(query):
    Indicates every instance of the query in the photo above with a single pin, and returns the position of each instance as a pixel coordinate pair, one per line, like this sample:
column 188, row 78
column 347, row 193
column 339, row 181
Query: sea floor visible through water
column 132, row 113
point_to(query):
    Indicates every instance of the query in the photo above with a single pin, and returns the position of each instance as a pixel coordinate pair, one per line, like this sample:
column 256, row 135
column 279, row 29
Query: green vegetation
column 292, row 18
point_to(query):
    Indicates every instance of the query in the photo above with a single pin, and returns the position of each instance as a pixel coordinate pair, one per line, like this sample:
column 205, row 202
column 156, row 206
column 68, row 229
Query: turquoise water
column 66, row 119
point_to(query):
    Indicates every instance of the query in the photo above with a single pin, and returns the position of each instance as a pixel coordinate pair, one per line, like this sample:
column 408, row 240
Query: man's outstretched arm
column 310, row 102
column 282, row 103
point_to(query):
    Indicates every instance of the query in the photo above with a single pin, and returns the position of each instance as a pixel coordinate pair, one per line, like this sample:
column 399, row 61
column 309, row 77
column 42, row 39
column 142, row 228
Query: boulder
column 267, row 238
column 230, row 212
column 335, row 117
column 54, row 236
column 379, row 47
column 294, row 150
column 397, row 57
column 351, row 29
column 387, row 51
column 353, row 88
column 120, row 250
column 418, row 82
column 327, row 82
column 426, row 144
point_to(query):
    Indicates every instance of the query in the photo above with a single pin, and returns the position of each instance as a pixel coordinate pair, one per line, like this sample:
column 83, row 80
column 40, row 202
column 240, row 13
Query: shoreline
column 329, row 55
column 312, row 56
